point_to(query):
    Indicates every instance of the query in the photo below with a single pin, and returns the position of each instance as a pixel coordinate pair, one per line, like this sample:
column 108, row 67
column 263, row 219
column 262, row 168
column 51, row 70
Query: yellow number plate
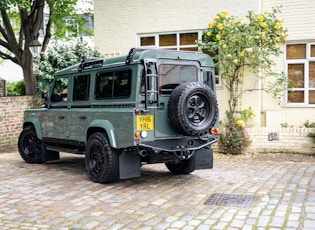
column 145, row 122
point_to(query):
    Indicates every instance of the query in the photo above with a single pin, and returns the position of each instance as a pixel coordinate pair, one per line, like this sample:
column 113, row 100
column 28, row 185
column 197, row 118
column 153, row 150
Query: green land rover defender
column 150, row 106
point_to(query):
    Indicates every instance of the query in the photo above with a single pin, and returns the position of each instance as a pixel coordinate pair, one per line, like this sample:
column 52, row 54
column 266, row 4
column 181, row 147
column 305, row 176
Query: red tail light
column 215, row 131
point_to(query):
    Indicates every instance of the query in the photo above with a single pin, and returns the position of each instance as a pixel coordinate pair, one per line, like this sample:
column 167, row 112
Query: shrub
column 234, row 138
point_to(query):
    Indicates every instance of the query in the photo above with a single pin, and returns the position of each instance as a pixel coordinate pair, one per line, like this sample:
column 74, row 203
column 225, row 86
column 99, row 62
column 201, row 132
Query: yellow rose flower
column 216, row 18
column 210, row 25
column 224, row 46
column 240, row 123
column 264, row 25
column 220, row 26
column 209, row 34
column 223, row 33
column 218, row 36
column 223, row 14
column 242, row 54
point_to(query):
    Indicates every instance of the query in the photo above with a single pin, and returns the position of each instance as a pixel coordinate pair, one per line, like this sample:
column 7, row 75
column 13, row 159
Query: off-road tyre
column 29, row 146
column 101, row 160
column 183, row 166
column 192, row 109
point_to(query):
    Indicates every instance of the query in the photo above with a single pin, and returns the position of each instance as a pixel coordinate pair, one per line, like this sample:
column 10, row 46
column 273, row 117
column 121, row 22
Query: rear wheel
column 183, row 166
column 101, row 160
column 30, row 147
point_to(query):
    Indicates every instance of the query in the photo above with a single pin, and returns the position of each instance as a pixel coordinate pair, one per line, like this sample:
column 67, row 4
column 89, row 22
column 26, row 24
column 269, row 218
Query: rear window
column 171, row 75
column 114, row 84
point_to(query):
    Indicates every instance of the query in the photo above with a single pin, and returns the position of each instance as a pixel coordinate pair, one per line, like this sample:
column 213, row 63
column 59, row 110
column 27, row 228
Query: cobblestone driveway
column 60, row 195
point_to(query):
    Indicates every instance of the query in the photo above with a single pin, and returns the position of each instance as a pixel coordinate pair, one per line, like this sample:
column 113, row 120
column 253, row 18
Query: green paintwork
column 74, row 121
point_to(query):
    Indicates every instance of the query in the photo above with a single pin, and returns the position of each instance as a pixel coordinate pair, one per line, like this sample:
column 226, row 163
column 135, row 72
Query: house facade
column 121, row 25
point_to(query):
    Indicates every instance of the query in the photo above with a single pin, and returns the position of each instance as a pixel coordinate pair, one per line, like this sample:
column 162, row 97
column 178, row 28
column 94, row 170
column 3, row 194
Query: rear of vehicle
column 176, row 111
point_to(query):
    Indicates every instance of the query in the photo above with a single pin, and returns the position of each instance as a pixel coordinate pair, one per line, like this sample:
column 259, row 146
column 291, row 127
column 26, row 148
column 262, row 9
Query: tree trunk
column 28, row 73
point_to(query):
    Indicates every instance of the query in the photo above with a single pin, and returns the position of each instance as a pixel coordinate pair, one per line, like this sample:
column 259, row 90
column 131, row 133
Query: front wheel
column 101, row 160
column 183, row 166
column 30, row 147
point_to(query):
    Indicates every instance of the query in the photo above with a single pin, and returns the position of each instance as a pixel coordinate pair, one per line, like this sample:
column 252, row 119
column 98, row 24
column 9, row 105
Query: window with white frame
column 300, row 68
column 173, row 41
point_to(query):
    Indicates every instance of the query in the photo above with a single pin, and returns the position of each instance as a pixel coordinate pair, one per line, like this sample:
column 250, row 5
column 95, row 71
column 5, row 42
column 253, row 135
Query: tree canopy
column 21, row 22
column 237, row 45
column 61, row 54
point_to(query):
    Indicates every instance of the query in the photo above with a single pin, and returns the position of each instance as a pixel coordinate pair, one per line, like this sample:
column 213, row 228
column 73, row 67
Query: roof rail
column 133, row 51
column 89, row 63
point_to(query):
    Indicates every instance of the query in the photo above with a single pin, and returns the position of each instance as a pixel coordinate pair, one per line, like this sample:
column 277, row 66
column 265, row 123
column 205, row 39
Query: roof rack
column 90, row 63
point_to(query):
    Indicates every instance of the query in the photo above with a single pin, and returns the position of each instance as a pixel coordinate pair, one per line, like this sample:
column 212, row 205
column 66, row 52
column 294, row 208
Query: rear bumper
column 177, row 145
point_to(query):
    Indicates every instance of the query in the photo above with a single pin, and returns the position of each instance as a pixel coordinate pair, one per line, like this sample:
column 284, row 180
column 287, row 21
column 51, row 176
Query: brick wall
column 275, row 140
column 11, row 118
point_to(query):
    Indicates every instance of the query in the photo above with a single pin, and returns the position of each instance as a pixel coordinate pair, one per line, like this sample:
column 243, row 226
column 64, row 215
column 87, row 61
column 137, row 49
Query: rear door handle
column 61, row 116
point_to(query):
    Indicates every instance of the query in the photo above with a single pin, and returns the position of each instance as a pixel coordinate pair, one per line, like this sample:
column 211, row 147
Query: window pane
column 296, row 51
column 147, row 41
column 174, row 75
column 296, row 96
column 81, row 88
column 104, row 85
column 167, row 40
column 60, row 90
column 296, row 75
column 312, row 50
column 122, row 84
column 113, row 84
column 311, row 73
column 188, row 39
column 311, row 99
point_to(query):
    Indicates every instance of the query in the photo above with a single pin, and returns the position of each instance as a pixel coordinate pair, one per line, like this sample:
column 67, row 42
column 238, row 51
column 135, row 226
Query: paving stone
column 60, row 196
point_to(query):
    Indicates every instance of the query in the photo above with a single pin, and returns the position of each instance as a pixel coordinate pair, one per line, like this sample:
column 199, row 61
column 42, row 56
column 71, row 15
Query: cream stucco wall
column 299, row 19
column 117, row 24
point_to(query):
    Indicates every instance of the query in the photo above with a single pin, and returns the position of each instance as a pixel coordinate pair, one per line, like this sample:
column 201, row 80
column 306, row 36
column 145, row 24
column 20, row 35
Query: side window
column 81, row 88
column 113, row 84
column 170, row 76
column 60, row 90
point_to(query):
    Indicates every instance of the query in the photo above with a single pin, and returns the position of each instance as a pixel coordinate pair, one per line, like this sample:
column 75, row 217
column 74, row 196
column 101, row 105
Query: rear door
column 171, row 75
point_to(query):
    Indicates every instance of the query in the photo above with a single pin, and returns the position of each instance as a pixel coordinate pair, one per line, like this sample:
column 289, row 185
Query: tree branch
column 8, row 27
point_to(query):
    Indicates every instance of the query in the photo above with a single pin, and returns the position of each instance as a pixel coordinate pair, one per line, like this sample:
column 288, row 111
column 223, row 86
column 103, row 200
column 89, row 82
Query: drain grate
column 241, row 201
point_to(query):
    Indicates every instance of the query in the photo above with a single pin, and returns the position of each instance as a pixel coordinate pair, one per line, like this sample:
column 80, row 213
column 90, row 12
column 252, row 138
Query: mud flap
column 204, row 158
column 129, row 165
column 49, row 155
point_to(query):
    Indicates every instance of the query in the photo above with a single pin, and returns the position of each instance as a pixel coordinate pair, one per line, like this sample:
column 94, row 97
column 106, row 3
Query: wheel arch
column 103, row 126
column 33, row 121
